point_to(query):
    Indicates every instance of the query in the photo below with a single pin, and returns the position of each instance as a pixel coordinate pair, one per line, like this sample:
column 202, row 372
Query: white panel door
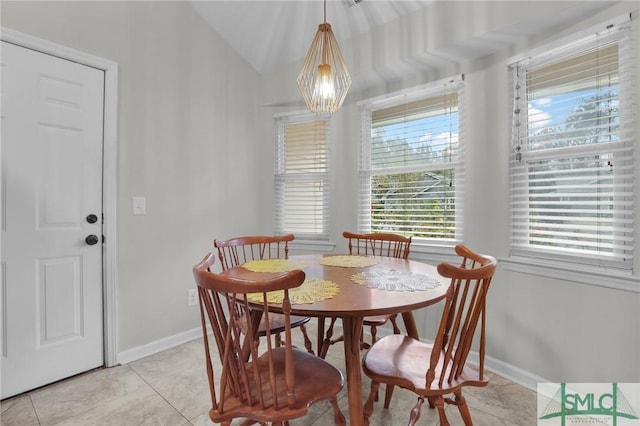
column 52, row 133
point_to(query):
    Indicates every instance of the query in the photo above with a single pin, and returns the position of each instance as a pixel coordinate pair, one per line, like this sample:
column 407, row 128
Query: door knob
column 92, row 218
column 92, row 239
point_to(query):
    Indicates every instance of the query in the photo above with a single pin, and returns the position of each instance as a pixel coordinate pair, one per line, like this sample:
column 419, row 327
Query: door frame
column 109, row 181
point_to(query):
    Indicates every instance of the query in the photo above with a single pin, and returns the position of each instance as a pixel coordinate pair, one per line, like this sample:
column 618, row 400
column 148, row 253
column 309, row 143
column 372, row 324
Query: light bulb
column 324, row 88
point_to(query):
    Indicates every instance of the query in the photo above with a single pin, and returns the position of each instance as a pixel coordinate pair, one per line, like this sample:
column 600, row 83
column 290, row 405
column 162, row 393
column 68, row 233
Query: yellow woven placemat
column 311, row 290
column 274, row 265
column 348, row 261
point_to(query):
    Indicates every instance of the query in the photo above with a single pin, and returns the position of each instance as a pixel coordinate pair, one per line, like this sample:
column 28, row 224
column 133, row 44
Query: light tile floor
column 170, row 388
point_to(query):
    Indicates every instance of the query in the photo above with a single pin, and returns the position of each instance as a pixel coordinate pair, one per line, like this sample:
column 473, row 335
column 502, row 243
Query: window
column 301, row 176
column 572, row 153
column 411, row 164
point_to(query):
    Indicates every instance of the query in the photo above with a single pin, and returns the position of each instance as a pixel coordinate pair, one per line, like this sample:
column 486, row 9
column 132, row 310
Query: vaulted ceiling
column 268, row 33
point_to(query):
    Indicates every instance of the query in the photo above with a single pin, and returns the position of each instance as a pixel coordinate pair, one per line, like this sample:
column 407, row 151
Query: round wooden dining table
column 354, row 301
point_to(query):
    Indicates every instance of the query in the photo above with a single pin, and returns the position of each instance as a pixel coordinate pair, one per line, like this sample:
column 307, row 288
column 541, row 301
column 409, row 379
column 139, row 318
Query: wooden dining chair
column 433, row 370
column 236, row 251
column 375, row 244
column 273, row 384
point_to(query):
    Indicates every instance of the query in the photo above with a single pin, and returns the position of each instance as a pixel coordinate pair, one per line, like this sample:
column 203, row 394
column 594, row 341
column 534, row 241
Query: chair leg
column 338, row 417
column 438, row 402
column 368, row 405
column 363, row 344
column 415, row 412
column 322, row 352
column 388, row 393
column 307, row 342
column 461, row 402
column 374, row 333
column 247, row 422
column 396, row 329
column 431, row 404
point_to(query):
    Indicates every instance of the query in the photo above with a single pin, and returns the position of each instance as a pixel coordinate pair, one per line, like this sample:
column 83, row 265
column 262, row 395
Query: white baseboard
column 136, row 353
column 503, row 369
column 510, row 372
column 515, row 374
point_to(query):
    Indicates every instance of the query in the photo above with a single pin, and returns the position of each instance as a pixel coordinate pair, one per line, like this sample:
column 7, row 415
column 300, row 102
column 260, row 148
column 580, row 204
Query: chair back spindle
column 236, row 251
column 239, row 250
column 379, row 244
column 464, row 310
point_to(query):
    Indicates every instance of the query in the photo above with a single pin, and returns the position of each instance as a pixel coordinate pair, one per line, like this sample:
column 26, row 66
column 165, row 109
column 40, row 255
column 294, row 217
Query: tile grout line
column 35, row 411
column 158, row 393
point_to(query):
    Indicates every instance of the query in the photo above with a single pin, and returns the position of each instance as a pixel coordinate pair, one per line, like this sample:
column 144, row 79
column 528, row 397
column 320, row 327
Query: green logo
column 589, row 403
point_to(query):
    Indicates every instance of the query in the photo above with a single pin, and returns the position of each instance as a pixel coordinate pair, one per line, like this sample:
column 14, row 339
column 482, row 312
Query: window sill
column 312, row 246
column 591, row 276
column 432, row 253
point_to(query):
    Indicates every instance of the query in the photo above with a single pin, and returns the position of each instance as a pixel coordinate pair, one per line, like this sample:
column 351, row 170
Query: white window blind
column 301, row 176
column 411, row 163
column 572, row 154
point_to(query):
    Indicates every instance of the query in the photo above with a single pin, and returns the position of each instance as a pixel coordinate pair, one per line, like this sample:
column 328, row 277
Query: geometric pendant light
column 324, row 79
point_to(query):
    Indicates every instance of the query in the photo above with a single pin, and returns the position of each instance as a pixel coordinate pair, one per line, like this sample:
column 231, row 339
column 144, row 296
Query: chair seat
column 315, row 380
column 403, row 361
column 277, row 323
column 376, row 320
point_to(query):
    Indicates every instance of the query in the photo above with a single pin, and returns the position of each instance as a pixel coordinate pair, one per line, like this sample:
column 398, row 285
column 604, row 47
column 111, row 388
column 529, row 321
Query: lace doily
column 274, row 265
column 393, row 280
column 348, row 261
column 311, row 290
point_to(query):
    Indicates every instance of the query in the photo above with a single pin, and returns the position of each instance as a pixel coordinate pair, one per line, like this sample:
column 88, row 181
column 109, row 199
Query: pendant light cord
column 325, row 11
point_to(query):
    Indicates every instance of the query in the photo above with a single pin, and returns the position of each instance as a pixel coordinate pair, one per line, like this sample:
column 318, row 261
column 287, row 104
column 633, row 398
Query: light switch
column 139, row 205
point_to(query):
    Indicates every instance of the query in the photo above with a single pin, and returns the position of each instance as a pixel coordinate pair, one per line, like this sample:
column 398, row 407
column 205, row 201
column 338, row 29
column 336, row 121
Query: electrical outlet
column 139, row 205
column 192, row 298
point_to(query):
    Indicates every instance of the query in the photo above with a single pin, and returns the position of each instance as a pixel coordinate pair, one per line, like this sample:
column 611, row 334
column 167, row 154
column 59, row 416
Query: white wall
column 186, row 141
column 539, row 328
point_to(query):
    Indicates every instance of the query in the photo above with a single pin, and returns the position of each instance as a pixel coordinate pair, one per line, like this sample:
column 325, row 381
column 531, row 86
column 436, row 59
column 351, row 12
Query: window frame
column 570, row 267
column 426, row 246
column 281, row 177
